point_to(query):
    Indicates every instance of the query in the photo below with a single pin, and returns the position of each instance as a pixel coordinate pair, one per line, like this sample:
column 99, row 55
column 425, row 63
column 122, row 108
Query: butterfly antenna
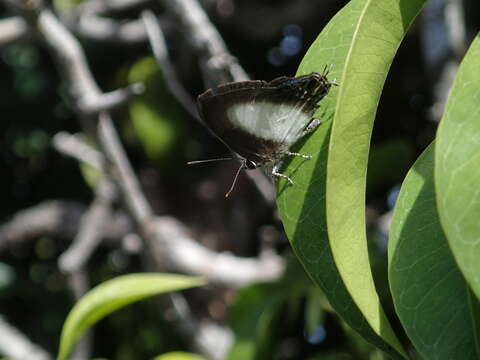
column 207, row 160
column 235, row 179
column 325, row 71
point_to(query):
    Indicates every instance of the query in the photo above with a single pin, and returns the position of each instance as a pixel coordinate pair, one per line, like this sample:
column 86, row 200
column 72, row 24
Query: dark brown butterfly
column 260, row 120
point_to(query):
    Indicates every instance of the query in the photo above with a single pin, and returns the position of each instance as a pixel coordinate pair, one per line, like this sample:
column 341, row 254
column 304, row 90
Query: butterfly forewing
column 259, row 120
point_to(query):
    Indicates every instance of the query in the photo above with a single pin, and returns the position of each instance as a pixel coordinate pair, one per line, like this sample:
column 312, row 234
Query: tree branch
column 91, row 230
column 218, row 64
column 159, row 48
column 16, row 346
column 174, row 247
column 12, row 30
column 56, row 218
column 181, row 253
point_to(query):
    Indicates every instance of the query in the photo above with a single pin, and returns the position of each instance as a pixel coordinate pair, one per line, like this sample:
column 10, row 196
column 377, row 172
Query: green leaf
column 179, row 355
column 324, row 212
column 113, row 295
column 261, row 311
column 253, row 317
column 429, row 292
column 457, row 169
column 156, row 116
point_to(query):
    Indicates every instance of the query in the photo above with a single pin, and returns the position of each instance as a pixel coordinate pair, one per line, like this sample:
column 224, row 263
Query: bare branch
column 71, row 60
column 91, row 230
column 16, row 346
column 174, row 247
column 124, row 175
column 443, row 44
column 98, row 28
column 219, row 65
column 69, row 56
column 110, row 100
column 73, row 65
column 87, row 21
column 79, row 284
column 159, row 47
column 180, row 252
column 74, row 146
column 51, row 217
column 108, row 6
column 57, row 218
column 12, row 29
column 210, row 338
column 263, row 184
column 455, row 21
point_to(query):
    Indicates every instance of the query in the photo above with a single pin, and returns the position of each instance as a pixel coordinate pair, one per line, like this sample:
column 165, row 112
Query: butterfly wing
column 257, row 119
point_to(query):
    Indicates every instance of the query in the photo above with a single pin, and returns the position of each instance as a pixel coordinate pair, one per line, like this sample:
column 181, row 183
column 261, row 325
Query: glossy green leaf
column 457, row 167
column 179, row 355
column 113, row 295
column 430, row 294
column 324, row 212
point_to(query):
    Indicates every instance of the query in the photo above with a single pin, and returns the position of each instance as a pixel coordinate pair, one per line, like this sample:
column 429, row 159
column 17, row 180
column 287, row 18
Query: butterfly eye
column 250, row 165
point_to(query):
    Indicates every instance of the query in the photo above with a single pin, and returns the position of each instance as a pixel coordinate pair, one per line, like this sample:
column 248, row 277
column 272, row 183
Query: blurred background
column 45, row 193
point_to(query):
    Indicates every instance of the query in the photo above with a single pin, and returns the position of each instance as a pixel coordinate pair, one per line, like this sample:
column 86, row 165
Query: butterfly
column 260, row 120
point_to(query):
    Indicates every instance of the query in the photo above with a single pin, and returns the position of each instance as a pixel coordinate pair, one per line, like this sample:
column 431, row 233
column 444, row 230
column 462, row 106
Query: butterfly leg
column 297, row 154
column 275, row 173
column 312, row 125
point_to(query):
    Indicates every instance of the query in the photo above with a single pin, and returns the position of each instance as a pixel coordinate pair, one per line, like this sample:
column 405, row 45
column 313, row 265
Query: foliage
column 113, row 295
column 156, row 116
column 177, row 355
column 342, row 309
column 324, row 213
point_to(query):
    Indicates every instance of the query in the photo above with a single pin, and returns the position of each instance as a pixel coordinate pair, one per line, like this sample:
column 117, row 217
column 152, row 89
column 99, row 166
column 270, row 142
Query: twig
column 180, row 252
column 437, row 32
column 71, row 61
column 73, row 65
column 91, row 230
column 172, row 238
column 455, row 21
column 159, row 48
column 211, row 338
column 86, row 20
column 263, row 184
column 51, row 217
column 167, row 237
column 123, row 172
column 16, row 346
column 98, row 28
column 111, row 100
column 219, row 65
column 107, row 6
column 79, row 284
column 12, row 29
column 69, row 56
column 59, row 219
column 73, row 146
